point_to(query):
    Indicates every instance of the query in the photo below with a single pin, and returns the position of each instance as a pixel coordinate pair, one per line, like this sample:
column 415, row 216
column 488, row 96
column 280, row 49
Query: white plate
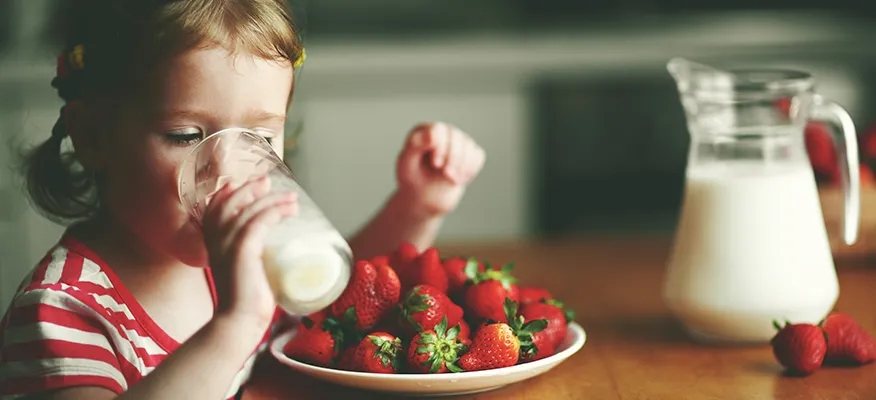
column 435, row 384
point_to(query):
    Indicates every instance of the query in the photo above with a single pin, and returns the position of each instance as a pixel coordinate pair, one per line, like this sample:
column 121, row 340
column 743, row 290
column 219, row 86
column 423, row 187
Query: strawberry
column 378, row 353
column 557, row 317
column 500, row 345
column 319, row 340
column 427, row 269
column 423, row 307
column 436, row 351
column 455, row 268
column 464, row 333
column 533, row 294
column 847, row 341
column 820, row 148
column 485, row 296
column 800, row 348
column 347, row 361
column 372, row 292
column 381, row 261
column 868, row 143
column 403, row 258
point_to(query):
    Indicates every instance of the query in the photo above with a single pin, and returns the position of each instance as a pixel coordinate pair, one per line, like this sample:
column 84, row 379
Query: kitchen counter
column 634, row 348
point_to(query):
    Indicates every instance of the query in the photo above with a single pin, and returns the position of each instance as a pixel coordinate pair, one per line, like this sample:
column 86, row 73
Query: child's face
column 201, row 92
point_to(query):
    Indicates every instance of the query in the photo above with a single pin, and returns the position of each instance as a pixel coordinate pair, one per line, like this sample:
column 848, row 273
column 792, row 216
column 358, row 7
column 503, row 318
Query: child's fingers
column 240, row 198
column 476, row 163
column 251, row 236
column 233, row 227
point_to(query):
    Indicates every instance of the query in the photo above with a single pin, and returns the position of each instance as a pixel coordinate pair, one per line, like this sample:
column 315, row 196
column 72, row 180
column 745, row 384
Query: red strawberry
column 464, row 333
column 485, row 296
column 800, row 348
column 533, row 294
column 318, row 341
column 381, row 261
column 436, row 351
column 456, row 276
column 868, row 144
column 557, row 317
column 427, row 269
column 820, row 148
column 403, row 257
column 347, row 361
column 501, row 345
column 847, row 341
column 378, row 353
column 423, row 307
column 372, row 292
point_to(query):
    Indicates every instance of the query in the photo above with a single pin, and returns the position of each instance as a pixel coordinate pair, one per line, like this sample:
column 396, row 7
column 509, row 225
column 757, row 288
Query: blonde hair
column 114, row 47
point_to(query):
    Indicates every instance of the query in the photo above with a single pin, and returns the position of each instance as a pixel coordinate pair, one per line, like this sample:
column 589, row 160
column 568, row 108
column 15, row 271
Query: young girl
column 125, row 305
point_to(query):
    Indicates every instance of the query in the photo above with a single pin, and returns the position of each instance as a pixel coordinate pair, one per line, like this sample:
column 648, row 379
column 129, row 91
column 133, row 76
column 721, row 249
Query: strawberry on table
column 847, row 341
column 372, row 292
column 557, row 316
column 423, row 307
column 378, row 353
column 800, row 348
column 318, row 341
column 533, row 294
column 436, row 350
column 486, row 294
column 500, row 344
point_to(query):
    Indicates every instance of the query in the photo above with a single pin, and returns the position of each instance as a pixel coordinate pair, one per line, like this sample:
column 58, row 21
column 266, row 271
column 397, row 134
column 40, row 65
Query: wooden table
column 634, row 349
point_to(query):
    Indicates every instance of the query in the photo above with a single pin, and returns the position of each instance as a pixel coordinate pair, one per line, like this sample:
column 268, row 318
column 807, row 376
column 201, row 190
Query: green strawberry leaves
column 442, row 347
column 387, row 351
column 523, row 329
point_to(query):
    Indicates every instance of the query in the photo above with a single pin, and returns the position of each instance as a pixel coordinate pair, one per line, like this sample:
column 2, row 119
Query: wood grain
column 635, row 349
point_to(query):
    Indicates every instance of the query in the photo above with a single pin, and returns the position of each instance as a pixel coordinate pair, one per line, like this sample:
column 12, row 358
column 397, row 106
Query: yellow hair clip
column 76, row 57
column 300, row 60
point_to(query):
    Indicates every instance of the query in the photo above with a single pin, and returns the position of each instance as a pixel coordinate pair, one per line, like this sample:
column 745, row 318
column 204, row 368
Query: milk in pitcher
column 751, row 247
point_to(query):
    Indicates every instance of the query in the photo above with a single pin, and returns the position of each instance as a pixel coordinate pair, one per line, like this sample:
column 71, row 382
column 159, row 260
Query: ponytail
column 56, row 185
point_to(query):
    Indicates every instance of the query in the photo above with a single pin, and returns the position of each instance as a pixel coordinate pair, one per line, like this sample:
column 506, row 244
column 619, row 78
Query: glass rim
column 190, row 157
column 756, row 84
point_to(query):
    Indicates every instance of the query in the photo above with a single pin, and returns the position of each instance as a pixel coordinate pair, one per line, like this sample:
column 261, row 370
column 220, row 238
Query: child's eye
column 185, row 137
column 268, row 134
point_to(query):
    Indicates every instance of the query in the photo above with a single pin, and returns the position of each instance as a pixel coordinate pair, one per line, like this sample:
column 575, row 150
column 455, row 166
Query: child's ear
column 80, row 127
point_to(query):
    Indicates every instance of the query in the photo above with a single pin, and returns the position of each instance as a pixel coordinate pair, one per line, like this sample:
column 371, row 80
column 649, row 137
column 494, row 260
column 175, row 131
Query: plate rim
column 281, row 339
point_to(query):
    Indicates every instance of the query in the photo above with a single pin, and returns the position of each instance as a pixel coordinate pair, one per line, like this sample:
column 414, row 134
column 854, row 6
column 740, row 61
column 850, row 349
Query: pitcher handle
column 846, row 144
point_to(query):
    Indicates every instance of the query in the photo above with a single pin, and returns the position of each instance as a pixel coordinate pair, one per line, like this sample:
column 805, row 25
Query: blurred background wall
column 570, row 99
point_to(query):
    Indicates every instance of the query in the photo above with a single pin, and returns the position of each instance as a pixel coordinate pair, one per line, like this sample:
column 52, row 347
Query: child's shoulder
column 69, row 277
column 69, row 267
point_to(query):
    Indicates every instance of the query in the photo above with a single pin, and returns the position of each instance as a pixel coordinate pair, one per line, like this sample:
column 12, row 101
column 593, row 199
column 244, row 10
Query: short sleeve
column 50, row 339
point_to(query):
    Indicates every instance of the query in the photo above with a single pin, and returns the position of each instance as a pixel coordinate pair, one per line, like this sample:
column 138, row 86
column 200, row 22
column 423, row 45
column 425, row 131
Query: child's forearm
column 204, row 366
column 397, row 222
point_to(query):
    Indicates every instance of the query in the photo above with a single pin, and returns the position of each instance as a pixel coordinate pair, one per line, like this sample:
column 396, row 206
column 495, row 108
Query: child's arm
column 205, row 365
column 436, row 164
column 399, row 221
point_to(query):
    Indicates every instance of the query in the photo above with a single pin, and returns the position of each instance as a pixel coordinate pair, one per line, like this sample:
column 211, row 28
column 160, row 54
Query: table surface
column 634, row 349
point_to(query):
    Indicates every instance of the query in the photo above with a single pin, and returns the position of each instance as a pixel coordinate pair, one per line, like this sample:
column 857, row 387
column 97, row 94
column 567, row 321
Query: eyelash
column 191, row 139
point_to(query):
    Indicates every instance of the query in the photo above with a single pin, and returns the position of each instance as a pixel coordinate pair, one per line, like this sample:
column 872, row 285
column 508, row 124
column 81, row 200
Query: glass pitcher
column 751, row 245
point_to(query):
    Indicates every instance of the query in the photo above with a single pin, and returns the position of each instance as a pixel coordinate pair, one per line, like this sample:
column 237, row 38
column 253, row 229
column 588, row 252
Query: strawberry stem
column 523, row 329
column 442, row 346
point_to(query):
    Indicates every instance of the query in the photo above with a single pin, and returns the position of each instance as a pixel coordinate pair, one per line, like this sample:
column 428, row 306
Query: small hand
column 235, row 224
column 436, row 164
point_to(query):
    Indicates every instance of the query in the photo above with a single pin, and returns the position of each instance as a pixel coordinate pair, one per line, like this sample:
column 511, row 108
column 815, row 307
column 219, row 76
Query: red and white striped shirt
column 72, row 323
